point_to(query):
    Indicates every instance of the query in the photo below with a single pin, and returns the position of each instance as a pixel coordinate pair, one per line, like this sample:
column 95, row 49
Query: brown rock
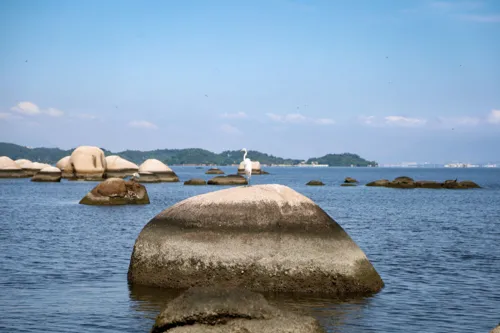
column 48, row 174
column 350, row 180
column 402, row 182
column 496, row 329
column 220, row 310
column 380, row 182
column 228, row 180
column 261, row 237
column 315, row 183
column 348, row 184
column 195, row 181
column 428, row 184
column 214, row 171
column 116, row 191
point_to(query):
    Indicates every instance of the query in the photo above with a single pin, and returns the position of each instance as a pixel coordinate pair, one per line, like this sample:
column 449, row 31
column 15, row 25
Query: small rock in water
column 195, row 181
column 350, row 180
column 228, row 180
column 315, row 183
column 116, row 191
column 214, row 171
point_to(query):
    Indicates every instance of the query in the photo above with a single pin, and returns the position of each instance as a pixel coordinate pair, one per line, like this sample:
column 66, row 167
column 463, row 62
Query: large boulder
column 64, row 165
column 228, row 180
column 148, row 177
column 214, row 171
column 32, row 168
column 9, row 168
column 256, row 170
column 87, row 163
column 220, row 310
column 48, row 174
column 159, row 169
column 261, row 237
column 118, row 167
column 195, row 181
column 116, row 191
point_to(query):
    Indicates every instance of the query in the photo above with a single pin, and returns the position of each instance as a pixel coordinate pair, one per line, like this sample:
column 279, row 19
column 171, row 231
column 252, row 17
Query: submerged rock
column 214, row 171
column 48, row 174
column 261, row 237
column 315, row 183
column 162, row 172
column 348, row 184
column 228, row 180
column 116, row 191
column 86, row 163
column 220, row 310
column 350, row 180
column 195, row 181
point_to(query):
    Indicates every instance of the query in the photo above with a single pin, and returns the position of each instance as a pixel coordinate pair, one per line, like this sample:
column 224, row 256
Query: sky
column 393, row 81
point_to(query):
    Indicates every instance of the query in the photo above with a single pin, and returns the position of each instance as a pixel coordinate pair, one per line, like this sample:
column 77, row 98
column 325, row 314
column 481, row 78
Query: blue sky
column 390, row 80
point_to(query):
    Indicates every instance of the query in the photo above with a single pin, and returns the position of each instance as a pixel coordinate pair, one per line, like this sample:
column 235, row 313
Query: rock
column 214, row 171
column 496, row 329
column 348, row 184
column 402, row 182
column 219, row 310
column 116, row 191
column 380, row 182
column 87, row 163
column 262, row 172
column 195, row 181
column 148, row 177
column 456, row 185
column 64, row 165
column 117, row 167
column 228, row 180
column 315, row 183
column 48, row 174
column 260, row 237
column 468, row 184
column 21, row 162
column 9, row 168
column 32, row 168
column 428, row 184
column 350, row 180
column 159, row 169
column 255, row 168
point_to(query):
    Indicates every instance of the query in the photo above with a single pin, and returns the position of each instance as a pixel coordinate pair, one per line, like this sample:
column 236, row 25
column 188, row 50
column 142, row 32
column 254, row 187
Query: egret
column 247, row 165
column 135, row 175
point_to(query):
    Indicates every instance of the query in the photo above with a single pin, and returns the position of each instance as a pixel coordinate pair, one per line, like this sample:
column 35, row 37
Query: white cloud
column 54, row 112
column 296, row 118
column 460, row 121
column 142, row 124
column 404, row 121
column 368, row 120
column 26, row 108
column 229, row 129
column 234, row 115
column 494, row 117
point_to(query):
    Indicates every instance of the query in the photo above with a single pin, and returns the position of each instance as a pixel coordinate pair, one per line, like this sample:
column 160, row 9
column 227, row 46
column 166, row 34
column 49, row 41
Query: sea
column 63, row 266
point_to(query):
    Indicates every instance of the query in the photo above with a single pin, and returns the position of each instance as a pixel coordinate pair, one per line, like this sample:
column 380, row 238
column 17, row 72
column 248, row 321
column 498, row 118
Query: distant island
column 188, row 156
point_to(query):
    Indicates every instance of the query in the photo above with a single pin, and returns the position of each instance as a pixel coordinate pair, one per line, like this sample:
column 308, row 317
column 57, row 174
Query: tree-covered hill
column 180, row 156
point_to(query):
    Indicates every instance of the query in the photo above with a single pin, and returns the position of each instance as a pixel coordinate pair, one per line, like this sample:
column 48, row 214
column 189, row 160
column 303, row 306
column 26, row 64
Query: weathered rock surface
column 427, row 184
column 402, row 182
column 315, row 183
column 87, row 163
column 350, row 180
column 159, row 169
column 228, row 180
column 380, row 182
column 261, row 237
column 116, row 191
column 48, row 174
column 496, row 329
column 9, row 168
column 64, row 165
column 407, row 182
column 148, row 177
column 195, row 181
column 219, row 310
column 118, row 167
column 32, row 168
column 21, row 162
column 348, row 184
column 214, row 171
column 256, row 170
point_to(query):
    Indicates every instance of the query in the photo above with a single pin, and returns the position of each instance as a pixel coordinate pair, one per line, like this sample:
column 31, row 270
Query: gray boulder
column 220, row 310
column 261, row 237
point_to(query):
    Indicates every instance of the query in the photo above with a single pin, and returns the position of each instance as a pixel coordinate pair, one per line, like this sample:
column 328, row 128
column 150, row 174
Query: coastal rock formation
column 32, row 168
column 87, row 163
column 407, row 182
column 148, row 177
column 21, row 162
column 9, row 168
column 315, row 183
column 116, row 191
column 256, row 170
column 117, row 167
column 262, row 172
column 219, row 310
column 195, row 181
column 159, row 169
column 48, row 174
column 496, row 329
column 348, row 184
column 261, row 237
column 64, row 165
column 228, row 180
column 214, row 171
column 350, row 180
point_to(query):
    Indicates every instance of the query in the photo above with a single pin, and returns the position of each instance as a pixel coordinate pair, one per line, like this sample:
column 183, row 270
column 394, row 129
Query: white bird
column 248, row 166
column 135, row 175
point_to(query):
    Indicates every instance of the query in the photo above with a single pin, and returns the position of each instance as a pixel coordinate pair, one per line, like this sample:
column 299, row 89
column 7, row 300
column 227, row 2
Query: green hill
column 180, row 156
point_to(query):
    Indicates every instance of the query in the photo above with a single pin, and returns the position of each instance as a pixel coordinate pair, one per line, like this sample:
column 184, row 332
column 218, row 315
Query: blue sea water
column 63, row 266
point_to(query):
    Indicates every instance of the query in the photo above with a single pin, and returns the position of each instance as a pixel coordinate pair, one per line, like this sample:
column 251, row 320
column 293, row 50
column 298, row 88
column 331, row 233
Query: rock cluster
column 407, row 182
